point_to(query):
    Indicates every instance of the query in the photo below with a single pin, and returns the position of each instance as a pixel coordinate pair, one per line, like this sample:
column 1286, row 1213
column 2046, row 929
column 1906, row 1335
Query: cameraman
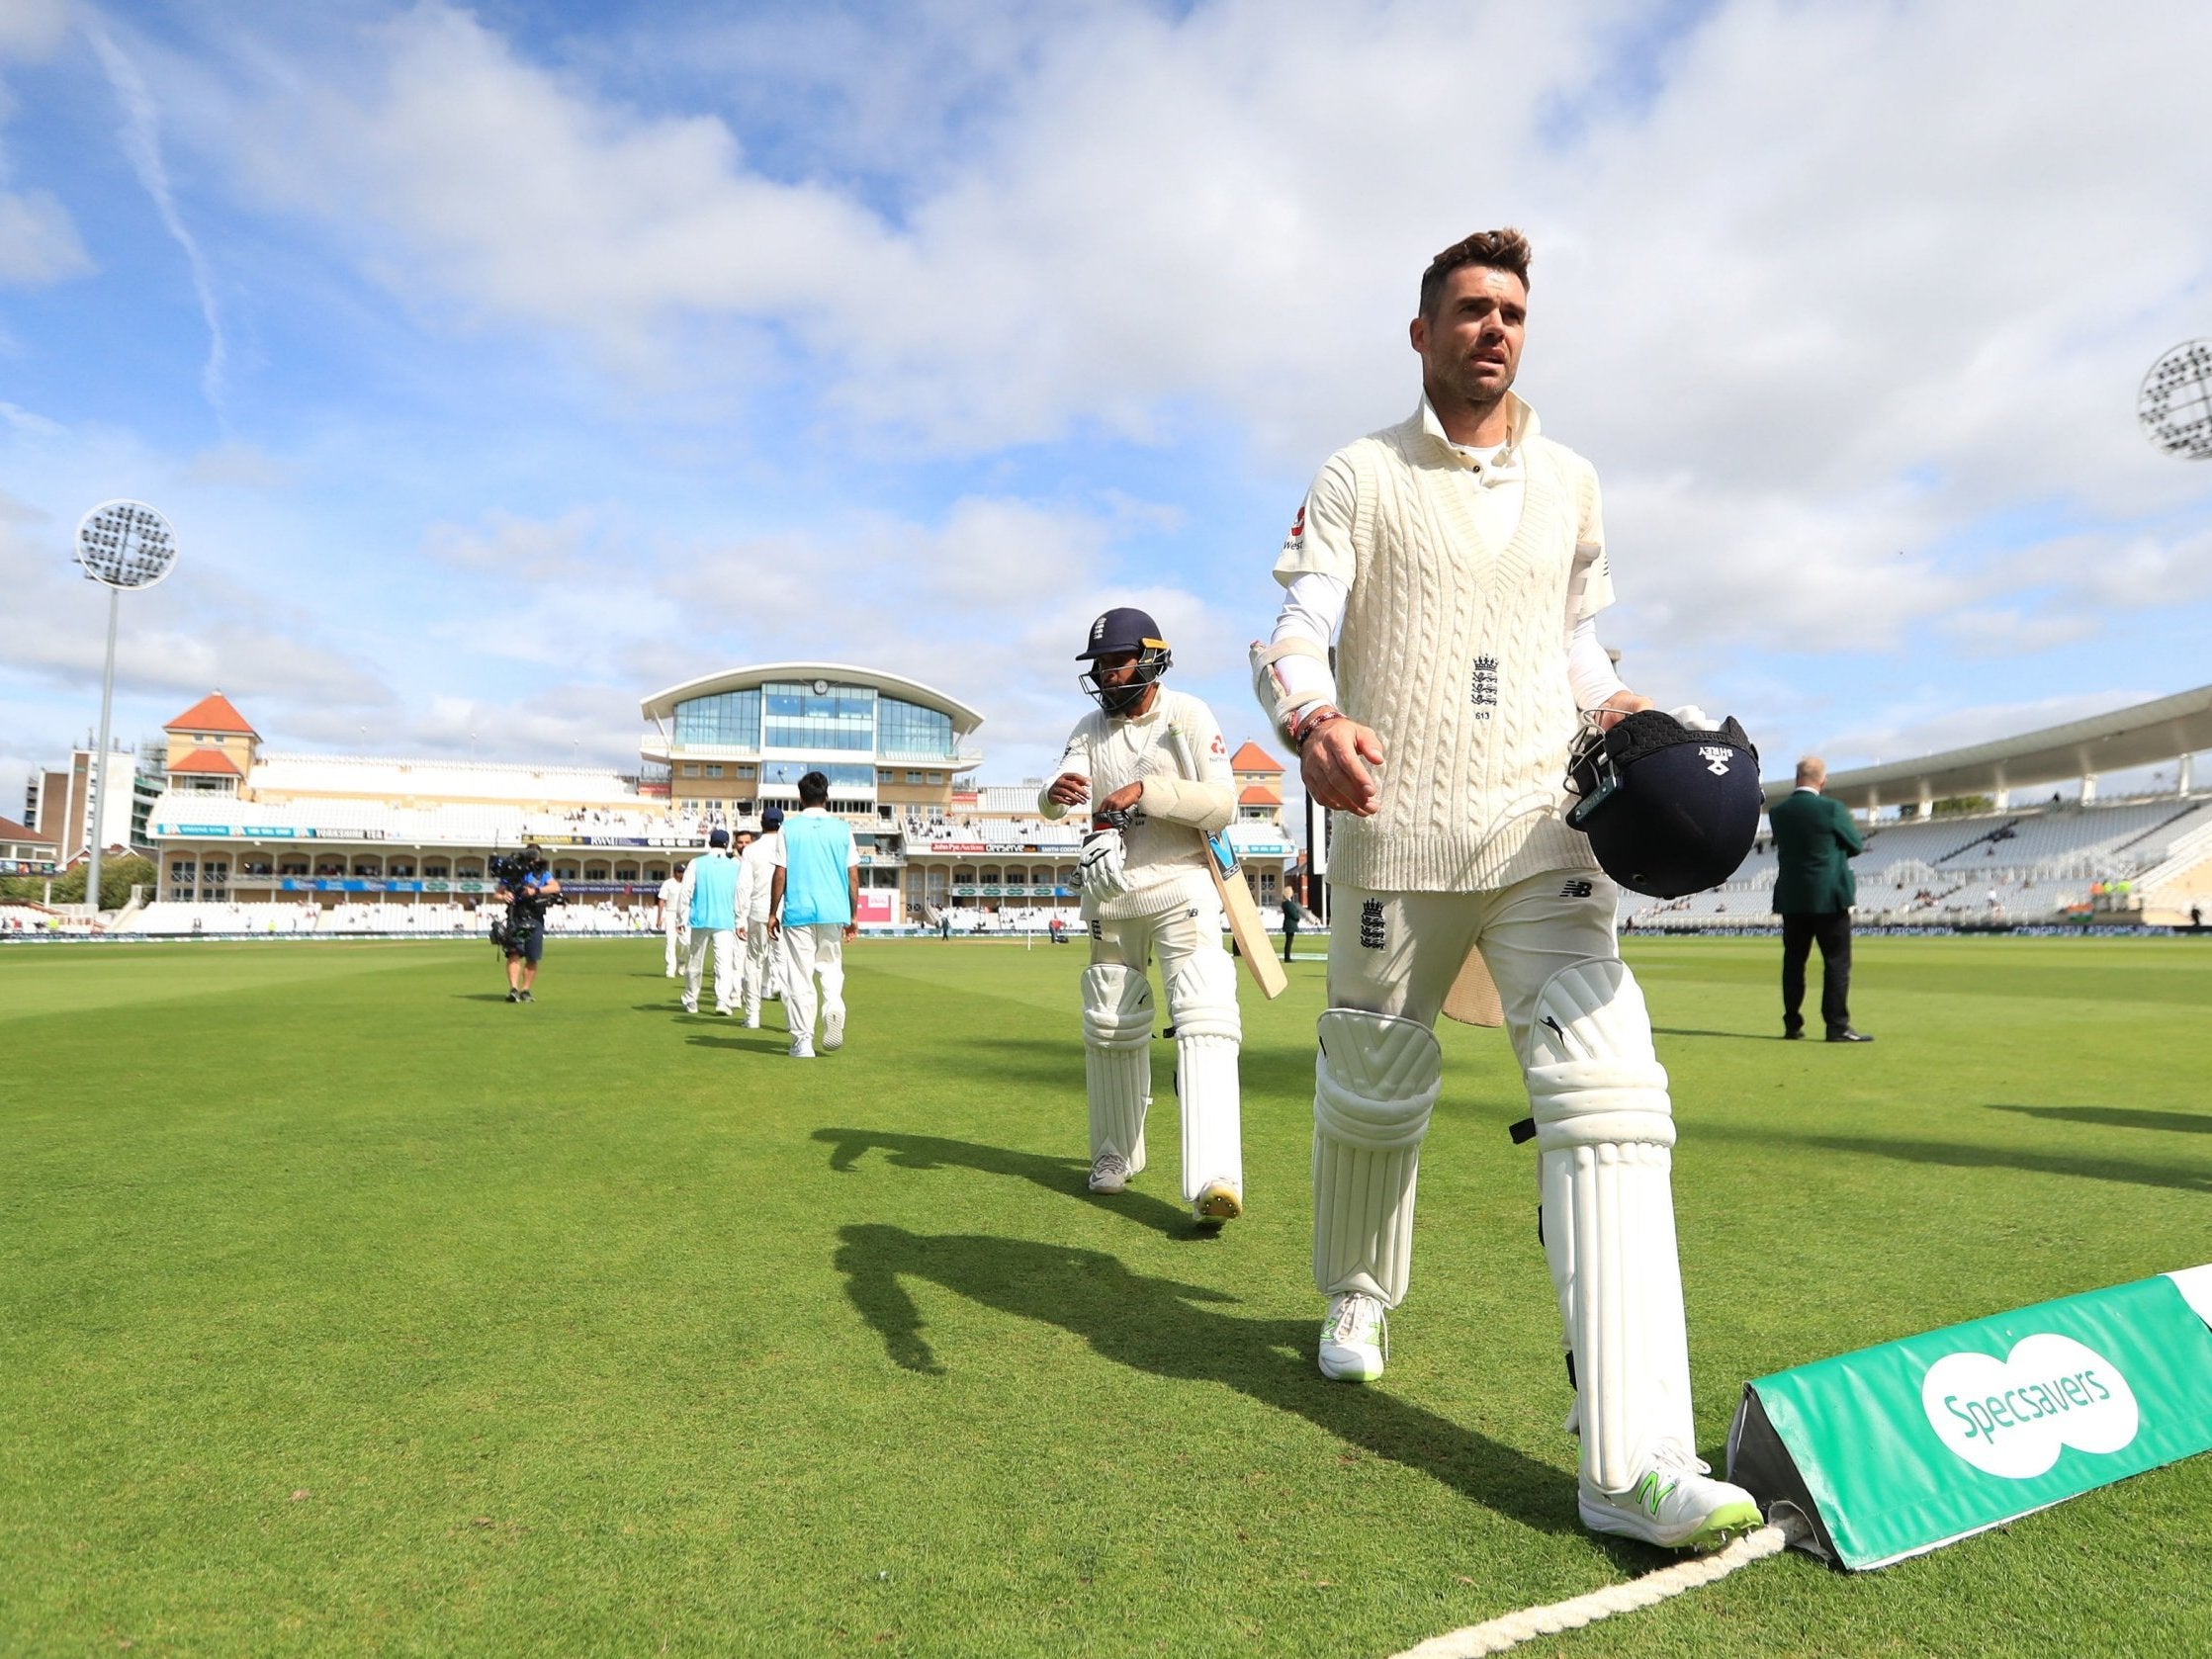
column 526, row 887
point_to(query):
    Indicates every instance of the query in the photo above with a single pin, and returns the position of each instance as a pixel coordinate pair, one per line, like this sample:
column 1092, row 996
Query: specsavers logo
column 2010, row 1417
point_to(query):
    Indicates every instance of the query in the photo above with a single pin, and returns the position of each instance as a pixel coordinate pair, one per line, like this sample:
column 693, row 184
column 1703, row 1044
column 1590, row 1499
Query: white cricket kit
column 672, row 913
column 1169, row 909
column 755, row 883
column 1465, row 582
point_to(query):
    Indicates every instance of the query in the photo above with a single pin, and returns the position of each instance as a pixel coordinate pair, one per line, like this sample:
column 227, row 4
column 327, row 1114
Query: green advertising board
column 1901, row 1448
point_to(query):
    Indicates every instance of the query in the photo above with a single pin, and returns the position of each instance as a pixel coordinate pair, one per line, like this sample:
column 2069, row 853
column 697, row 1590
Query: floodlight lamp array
column 126, row 544
column 2175, row 402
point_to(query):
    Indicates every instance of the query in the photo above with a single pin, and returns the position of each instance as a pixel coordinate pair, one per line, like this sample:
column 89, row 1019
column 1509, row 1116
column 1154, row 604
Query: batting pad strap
column 1375, row 1081
column 1117, row 1006
column 1596, row 1103
column 1202, row 997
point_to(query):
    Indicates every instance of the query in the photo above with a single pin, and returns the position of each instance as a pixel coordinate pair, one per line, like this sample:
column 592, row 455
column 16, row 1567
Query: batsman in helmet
column 1153, row 771
column 1458, row 562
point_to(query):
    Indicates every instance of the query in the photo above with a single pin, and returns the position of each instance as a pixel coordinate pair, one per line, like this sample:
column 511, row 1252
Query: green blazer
column 1816, row 841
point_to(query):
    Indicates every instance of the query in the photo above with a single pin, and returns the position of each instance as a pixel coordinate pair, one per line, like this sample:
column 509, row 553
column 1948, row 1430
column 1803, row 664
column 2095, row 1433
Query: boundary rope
column 1511, row 1629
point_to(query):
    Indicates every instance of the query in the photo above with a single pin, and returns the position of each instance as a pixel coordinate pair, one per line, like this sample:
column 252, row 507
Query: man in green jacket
column 1815, row 840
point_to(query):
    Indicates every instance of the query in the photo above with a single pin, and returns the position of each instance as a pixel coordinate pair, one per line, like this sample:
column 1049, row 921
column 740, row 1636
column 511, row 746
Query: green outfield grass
column 345, row 1308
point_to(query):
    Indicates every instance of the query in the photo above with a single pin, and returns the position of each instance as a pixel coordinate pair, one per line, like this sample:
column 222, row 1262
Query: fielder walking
column 1460, row 560
column 668, row 915
column 812, row 902
column 711, row 914
column 1154, row 762
column 756, row 883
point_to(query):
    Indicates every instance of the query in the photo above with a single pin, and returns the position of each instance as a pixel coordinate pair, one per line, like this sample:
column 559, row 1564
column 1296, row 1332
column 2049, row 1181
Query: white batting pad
column 1376, row 1083
column 1202, row 1003
column 1118, row 1058
column 1604, row 1127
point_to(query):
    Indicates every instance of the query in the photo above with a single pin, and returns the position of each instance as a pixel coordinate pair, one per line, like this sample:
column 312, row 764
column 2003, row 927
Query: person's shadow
column 1179, row 1331
column 1061, row 1176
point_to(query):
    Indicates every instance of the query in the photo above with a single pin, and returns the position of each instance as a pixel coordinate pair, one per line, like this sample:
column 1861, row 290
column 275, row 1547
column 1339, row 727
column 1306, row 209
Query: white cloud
column 38, row 241
column 1842, row 284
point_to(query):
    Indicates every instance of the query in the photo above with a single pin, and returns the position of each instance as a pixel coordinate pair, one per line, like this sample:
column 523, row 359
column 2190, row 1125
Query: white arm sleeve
column 1312, row 610
column 1589, row 669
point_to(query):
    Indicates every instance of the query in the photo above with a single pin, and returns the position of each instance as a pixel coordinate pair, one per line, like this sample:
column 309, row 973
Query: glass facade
column 844, row 775
column 910, row 728
column 793, row 715
column 842, row 717
column 729, row 718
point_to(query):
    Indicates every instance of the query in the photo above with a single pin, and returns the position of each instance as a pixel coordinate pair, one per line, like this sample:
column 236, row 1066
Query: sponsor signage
column 874, row 907
column 367, row 884
column 27, row 867
column 1012, row 890
column 1898, row 1449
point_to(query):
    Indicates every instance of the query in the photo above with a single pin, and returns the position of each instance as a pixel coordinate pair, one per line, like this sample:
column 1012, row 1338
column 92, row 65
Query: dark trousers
column 1831, row 931
column 1289, row 932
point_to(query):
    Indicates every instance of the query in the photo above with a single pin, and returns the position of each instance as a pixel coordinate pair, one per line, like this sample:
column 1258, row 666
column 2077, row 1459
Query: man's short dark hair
column 813, row 789
column 1501, row 250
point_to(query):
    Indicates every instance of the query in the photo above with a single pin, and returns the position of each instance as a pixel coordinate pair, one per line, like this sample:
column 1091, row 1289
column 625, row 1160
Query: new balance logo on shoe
column 1650, row 1492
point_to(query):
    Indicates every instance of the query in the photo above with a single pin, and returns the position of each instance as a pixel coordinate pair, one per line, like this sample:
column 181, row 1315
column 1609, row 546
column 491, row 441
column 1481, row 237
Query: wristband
column 1313, row 723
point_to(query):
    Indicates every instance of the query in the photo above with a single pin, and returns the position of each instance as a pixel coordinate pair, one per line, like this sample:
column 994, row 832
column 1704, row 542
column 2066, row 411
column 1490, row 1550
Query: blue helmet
column 1668, row 811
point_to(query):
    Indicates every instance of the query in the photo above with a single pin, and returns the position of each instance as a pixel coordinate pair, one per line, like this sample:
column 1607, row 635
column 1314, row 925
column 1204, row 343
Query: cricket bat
column 1253, row 941
column 1473, row 997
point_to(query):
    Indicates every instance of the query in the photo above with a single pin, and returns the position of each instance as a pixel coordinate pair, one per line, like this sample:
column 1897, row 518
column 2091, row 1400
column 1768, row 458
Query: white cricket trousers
column 1397, row 953
column 812, row 951
column 726, row 988
column 672, row 930
column 760, row 955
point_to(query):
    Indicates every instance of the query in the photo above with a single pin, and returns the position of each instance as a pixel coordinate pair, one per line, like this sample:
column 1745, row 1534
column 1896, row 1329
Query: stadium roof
column 660, row 706
column 11, row 831
column 1260, row 795
column 2162, row 730
column 210, row 760
column 1252, row 759
column 213, row 713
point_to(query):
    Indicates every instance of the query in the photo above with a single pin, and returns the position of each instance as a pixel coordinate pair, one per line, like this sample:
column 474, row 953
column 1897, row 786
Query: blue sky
column 501, row 365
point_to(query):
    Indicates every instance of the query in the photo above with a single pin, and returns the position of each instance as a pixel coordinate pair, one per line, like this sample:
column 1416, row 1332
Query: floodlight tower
column 121, row 545
column 2174, row 404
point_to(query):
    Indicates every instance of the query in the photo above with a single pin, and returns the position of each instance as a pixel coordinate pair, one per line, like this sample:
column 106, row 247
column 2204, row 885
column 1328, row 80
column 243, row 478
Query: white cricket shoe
column 689, row 1005
column 1355, row 1337
column 752, row 1022
column 1110, row 1173
column 1675, row 1503
column 833, row 1031
column 801, row 1049
column 1217, row 1200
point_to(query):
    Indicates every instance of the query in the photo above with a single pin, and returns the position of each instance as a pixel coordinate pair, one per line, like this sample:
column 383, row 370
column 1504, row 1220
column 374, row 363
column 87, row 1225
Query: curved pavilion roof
column 2161, row 730
column 660, row 706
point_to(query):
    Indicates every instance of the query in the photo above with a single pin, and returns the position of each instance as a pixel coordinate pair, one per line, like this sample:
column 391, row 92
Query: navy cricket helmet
column 1668, row 811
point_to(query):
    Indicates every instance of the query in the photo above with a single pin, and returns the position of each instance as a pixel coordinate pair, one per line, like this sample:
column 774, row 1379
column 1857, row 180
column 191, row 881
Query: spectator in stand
column 1815, row 841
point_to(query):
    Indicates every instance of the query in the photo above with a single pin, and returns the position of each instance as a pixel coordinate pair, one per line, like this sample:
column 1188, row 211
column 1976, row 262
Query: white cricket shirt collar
column 1495, row 464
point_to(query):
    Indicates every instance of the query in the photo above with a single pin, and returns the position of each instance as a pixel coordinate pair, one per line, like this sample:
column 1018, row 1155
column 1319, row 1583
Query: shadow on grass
column 2120, row 1117
column 1174, row 1330
column 1739, row 1036
column 1957, row 1157
column 1063, row 1176
column 480, row 996
column 763, row 1041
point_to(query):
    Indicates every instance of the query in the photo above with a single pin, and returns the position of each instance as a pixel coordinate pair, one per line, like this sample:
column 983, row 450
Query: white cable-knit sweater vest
column 1454, row 650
